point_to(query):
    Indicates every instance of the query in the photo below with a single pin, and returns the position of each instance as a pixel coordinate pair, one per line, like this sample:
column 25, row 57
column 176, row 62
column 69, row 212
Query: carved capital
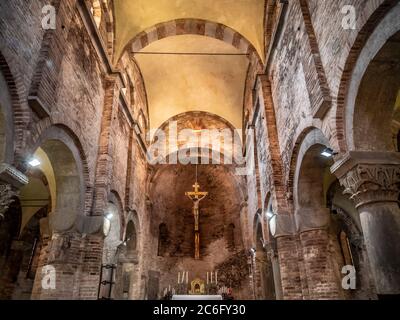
column 372, row 183
column 368, row 181
column 7, row 197
column 12, row 176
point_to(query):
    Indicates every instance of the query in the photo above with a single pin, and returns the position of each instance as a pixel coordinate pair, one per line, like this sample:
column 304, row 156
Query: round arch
column 193, row 27
column 380, row 27
column 69, row 168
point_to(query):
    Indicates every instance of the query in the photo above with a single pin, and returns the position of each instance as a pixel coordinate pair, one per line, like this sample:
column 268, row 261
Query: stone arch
column 200, row 120
column 290, row 174
column 308, row 178
column 65, row 132
column 381, row 25
column 65, row 157
column 193, row 27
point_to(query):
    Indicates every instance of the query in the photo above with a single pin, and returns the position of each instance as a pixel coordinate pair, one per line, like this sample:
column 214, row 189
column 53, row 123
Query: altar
column 196, row 297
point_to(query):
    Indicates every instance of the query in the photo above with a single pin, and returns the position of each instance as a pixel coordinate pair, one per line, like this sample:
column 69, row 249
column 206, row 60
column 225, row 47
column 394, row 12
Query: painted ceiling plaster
column 134, row 16
column 180, row 83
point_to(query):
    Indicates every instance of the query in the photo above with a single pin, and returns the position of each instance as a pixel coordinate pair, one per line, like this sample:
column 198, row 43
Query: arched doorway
column 58, row 157
column 370, row 170
column 127, row 272
column 263, row 271
column 112, row 243
column 377, row 106
column 312, row 216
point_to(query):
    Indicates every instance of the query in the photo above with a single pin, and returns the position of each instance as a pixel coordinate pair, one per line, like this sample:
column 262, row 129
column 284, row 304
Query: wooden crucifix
column 196, row 196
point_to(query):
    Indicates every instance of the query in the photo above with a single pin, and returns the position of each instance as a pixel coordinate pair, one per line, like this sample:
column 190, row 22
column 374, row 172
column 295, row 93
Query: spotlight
column 328, row 153
column 109, row 216
column 34, row 162
column 270, row 214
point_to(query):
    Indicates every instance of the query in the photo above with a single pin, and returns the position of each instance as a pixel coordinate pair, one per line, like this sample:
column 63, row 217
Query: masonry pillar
column 70, row 260
column 372, row 180
column 288, row 256
column 319, row 269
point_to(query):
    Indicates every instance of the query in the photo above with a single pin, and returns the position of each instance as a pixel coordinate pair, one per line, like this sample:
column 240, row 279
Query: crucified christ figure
column 196, row 196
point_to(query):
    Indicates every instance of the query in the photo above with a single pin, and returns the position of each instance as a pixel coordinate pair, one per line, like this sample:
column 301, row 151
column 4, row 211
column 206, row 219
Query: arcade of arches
column 308, row 109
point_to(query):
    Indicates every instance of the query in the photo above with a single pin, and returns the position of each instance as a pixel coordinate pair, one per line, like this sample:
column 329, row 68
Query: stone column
column 372, row 181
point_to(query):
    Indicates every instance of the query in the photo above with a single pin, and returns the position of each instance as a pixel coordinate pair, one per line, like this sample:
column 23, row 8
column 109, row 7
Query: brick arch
column 197, row 114
column 20, row 111
column 192, row 26
column 115, row 199
column 293, row 163
column 339, row 138
column 44, row 130
column 133, row 217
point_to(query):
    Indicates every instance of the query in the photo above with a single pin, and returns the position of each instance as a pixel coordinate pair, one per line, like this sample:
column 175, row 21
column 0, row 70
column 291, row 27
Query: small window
column 162, row 240
column 96, row 12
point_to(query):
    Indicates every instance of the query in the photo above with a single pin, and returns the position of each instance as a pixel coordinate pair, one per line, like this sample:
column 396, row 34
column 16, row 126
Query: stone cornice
column 354, row 158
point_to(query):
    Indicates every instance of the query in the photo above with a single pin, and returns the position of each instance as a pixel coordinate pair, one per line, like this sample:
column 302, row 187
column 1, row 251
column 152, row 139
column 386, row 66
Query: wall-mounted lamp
column 34, row 162
column 109, row 216
column 328, row 153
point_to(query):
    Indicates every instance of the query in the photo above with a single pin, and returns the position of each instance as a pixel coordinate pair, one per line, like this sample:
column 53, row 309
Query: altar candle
column 179, row 274
column 211, row 277
column 216, row 277
column 207, row 277
column 187, row 276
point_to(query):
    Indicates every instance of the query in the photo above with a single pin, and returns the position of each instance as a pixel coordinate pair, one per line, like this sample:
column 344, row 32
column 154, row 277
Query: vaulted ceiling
column 243, row 16
column 191, row 72
column 180, row 83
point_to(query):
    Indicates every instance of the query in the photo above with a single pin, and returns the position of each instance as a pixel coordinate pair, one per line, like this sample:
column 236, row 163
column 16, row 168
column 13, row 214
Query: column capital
column 369, row 177
column 12, row 176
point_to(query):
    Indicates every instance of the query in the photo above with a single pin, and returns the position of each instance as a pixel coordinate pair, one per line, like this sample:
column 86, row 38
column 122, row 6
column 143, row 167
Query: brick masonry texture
column 61, row 87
